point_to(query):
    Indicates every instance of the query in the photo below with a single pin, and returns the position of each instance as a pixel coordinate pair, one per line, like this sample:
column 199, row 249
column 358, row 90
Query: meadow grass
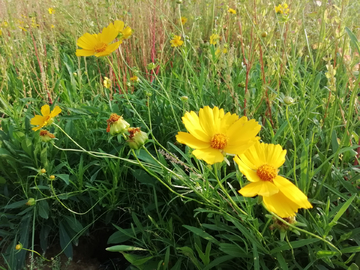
column 297, row 74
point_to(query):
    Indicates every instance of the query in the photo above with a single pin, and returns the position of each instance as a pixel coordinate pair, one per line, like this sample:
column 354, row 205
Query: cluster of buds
column 330, row 75
column 117, row 125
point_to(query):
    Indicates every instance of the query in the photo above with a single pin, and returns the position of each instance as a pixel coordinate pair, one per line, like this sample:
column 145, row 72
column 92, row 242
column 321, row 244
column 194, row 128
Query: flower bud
column 52, row 177
column 18, row 246
column 116, row 124
column 107, row 82
column 288, row 100
column 184, row 98
column 30, row 202
column 43, row 171
column 264, row 34
column 137, row 138
column 151, row 66
column 46, row 136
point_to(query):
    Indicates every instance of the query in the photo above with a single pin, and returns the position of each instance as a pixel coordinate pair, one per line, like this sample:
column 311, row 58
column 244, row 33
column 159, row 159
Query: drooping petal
column 247, row 171
column 191, row 141
column 281, row 205
column 292, row 192
column 192, row 124
column 210, row 155
column 262, row 188
column 36, row 128
column 45, row 110
column 55, row 111
column 37, row 120
column 80, row 52
column 87, row 41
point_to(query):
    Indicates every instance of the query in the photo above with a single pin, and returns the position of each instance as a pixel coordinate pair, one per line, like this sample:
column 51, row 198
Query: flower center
column 266, row 172
column 218, row 141
column 100, row 47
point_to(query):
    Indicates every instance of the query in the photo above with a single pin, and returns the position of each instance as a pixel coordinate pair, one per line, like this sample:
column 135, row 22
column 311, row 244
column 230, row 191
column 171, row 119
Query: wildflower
column 214, row 134
column 46, row 136
column 260, row 166
column 282, row 9
column 34, row 24
column 232, row 11
column 183, row 20
column 52, row 177
column 43, row 171
column 176, row 41
column 30, row 202
column 98, row 44
column 19, row 246
column 51, row 10
column 137, row 138
column 126, row 32
column 107, row 82
column 116, row 124
column 214, row 39
column 52, row 26
column 46, row 118
column 4, row 24
column 134, row 79
column 218, row 51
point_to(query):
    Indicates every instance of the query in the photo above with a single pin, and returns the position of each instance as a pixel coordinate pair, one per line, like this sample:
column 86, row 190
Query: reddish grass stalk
column 40, row 66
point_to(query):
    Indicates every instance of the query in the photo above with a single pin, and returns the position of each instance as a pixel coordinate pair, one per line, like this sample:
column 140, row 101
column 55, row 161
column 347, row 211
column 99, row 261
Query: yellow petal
column 248, row 172
column 109, row 49
column 227, row 120
column 275, row 155
column 87, row 41
column 240, row 147
column 242, row 130
column 55, row 111
column 45, row 110
column 292, row 192
column 36, row 128
column 119, row 25
column 206, row 119
column 262, row 188
column 108, row 34
column 191, row 141
column 210, row 155
column 84, row 52
column 37, row 120
column 281, row 205
column 192, row 124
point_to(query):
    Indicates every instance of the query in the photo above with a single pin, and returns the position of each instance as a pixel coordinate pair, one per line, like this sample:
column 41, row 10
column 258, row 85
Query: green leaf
column 202, row 234
column 354, row 41
column 325, row 254
column 16, row 204
column 218, row 261
column 353, row 249
column 120, row 248
column 43, row 208
column 136, row 260
column 64, row 177
column 294, row 244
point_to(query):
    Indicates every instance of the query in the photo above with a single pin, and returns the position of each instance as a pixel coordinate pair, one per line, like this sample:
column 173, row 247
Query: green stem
column 294, row 142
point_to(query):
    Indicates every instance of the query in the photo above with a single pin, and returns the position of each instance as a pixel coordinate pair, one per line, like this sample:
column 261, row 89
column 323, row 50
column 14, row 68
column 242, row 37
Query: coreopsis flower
column 51, row 10
column 34, row 24
column 4, row 24
column 260, row 164
column 213, row 134
column 176, row 41
column 137, row 138
column 134, row 79
column 46, row 136
column 52, row 26
column 126, row 32
column 107, row 82
column 282, row 9
column 232, row 11
column 46, row 118
column 214, row 39
column 98, row 44
column 116, row 124
column 183, row 20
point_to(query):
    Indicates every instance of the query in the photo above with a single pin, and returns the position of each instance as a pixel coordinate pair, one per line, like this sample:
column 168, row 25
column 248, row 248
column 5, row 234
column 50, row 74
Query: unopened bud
column 137, row 138
column 30, row 202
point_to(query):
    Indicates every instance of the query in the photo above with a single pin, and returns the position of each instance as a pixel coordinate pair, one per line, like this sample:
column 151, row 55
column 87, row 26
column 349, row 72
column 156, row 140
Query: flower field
column 187, row 134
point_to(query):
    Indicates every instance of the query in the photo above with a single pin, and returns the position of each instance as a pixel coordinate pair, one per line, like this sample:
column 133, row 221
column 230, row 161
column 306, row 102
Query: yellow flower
column 214, row 134
column 52, row 26
column 214, row 39
column 282, row 9
column 98, row 44
column 126, row 32
column 233, row 11
column 218, row 51
column 107, row 82
column 4, row 24
column 51, row 10
column 176, row 41
column 34, row 24
column 260, row 164
column 134, row 79
column 46, row 118
column 183, row 20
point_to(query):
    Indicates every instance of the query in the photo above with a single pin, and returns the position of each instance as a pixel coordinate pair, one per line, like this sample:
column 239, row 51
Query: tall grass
column 296, row 74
